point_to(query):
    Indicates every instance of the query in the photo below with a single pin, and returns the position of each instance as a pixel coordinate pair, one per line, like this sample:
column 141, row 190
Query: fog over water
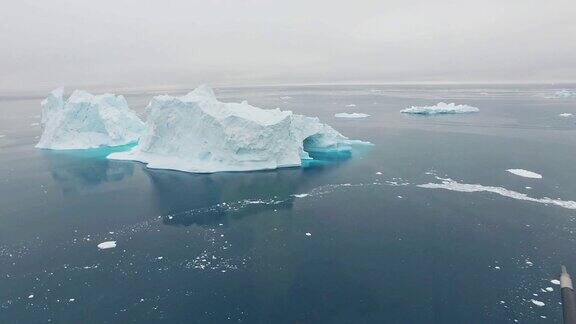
column 112, row 43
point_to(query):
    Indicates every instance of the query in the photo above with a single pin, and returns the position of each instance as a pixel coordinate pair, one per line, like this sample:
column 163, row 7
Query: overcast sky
column 50, row 43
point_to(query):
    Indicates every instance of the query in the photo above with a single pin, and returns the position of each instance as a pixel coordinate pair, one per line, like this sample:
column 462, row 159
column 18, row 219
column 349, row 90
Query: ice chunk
column 537, row 302
column 352, row 115
column 555, row 281
column 301, row 195
column 198, row 133
column 351, row 105
column 525, row 173
column 449, row 184
column 565, row 115
column 86, row 121
column 107, row 245
column 440, row 108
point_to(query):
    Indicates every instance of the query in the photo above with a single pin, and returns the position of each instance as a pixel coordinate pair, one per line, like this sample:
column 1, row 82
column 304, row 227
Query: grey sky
column 50, row 43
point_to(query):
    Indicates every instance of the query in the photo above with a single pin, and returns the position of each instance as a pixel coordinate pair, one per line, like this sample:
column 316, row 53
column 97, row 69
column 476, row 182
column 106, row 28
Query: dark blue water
column 233, row 247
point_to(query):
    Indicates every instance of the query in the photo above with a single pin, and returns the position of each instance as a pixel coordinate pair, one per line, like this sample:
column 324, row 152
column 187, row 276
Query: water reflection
column 212, row 199
column 80, row 171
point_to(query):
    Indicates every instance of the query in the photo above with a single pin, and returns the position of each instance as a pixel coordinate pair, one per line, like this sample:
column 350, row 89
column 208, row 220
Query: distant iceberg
column 85, row 121
column 198, row 133
column 525, row 173
column 352, row 115
column 565, row 94
column 565, row 115
column 440, row 108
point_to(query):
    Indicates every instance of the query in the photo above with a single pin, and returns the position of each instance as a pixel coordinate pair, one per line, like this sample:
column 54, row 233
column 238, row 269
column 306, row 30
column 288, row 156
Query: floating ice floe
column 555, row 281
column 352, row 115
column 537, row 302
column 107, row 245
column 351, row 105
column 449, row 184
column 439, row 109
column 301, row 195
column 525, row 173
column 198, row 133
column 565, row 115
column 85, row 121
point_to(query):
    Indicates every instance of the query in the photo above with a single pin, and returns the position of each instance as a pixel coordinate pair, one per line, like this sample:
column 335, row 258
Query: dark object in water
column 568, row 301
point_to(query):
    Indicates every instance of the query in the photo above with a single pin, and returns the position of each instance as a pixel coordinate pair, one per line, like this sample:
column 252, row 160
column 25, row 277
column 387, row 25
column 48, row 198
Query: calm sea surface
column 252, row 247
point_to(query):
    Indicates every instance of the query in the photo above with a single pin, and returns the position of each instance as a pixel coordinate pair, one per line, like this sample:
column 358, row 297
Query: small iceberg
column 107, row 245
column 525, row 173
column 197, row 133
column 352, row 115
column 85, row 121
column 440, row 109
column 565, row 115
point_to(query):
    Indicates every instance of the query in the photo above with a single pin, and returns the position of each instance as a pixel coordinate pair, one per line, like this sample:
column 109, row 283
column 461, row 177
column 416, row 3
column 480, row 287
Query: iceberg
column 525, row 173
column 352, row 115
column 440, row 108
column 197, row 133
column 564, row 94
column 85, row 121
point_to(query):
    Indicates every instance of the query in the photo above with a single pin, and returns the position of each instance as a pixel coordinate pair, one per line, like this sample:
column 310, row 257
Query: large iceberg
column 85, row 121
column 198, row 133
column 440, row 108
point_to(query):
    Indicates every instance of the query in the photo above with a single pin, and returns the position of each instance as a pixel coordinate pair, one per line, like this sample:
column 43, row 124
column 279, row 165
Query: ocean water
column 332, row 242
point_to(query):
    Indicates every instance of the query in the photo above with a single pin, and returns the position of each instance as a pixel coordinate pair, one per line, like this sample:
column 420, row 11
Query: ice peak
column 202, row 92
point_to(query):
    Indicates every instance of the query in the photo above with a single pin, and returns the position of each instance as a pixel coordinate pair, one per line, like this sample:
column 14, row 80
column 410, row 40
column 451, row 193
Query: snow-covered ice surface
column 440, row 109
column 449, row 184
column 525, row 173
column 198, row 133
column 85, row 121
column 351, row 115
